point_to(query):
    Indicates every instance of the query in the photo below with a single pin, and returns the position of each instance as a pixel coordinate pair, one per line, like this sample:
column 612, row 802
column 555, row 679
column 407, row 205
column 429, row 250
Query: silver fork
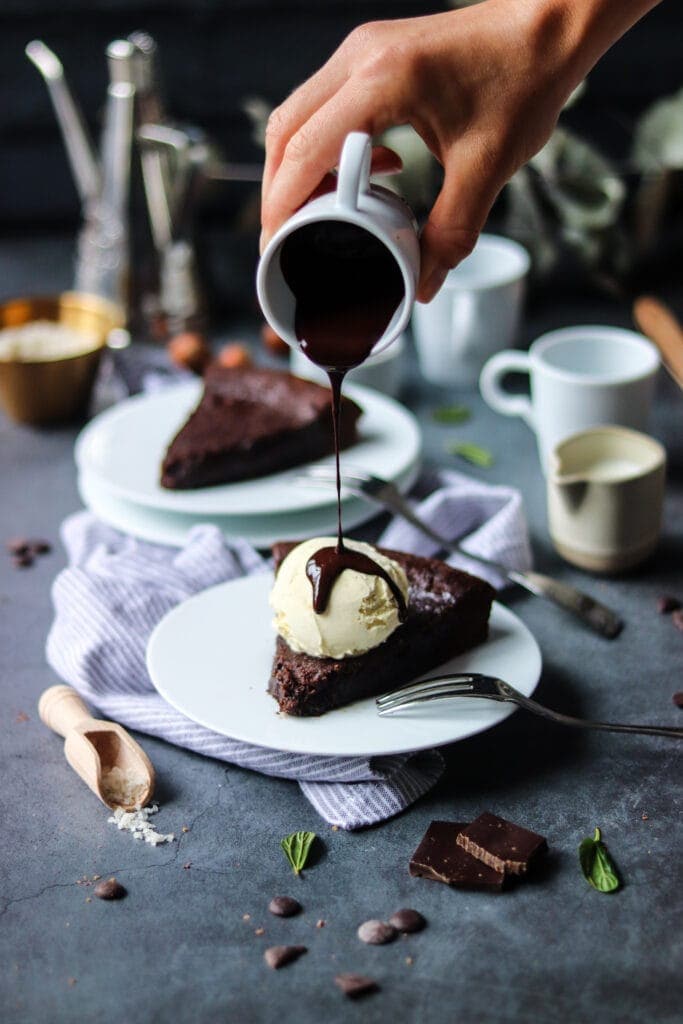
column 473, row 684
column 599, row 617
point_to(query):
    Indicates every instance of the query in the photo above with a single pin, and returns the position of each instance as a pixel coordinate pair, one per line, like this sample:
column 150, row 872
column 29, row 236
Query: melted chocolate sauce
column 327, row 564
column 347, row 287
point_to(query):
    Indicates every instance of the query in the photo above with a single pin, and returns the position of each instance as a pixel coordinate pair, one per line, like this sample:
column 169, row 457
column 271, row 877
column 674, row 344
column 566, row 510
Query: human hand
column 483, row 87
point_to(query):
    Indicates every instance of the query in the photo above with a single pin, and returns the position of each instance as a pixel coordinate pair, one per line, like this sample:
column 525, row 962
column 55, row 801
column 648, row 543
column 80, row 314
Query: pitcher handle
column 353, row 179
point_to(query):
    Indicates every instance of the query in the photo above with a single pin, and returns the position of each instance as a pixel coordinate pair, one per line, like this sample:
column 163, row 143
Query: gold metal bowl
column 54, row 390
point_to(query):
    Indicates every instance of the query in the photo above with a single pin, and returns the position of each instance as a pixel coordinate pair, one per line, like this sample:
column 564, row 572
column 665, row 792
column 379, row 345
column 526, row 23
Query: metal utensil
column 79, row 147
column 226, row 171
column 489, row 688
column 599, row 617
column 102, row 265
column 176, row 143
column 116, row 150
column 180, row 294
column 156, row 167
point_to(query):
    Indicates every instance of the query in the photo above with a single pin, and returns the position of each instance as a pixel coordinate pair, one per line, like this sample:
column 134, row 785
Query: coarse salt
column 123, row 788
column 137, row 823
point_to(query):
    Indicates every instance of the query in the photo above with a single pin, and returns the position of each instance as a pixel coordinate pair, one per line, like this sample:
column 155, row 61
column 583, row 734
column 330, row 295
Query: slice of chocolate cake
column 448, row 613
column 250, row 422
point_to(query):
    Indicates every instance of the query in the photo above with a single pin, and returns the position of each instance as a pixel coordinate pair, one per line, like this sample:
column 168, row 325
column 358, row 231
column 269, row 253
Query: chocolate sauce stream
column 336, row 378
column 347, row 287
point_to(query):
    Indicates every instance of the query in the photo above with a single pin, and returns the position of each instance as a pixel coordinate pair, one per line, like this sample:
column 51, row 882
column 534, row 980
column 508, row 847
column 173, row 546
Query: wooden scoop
column 661, row 326
column 112, row 764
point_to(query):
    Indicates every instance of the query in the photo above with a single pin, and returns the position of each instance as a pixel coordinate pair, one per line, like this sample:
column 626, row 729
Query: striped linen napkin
column 115, row 590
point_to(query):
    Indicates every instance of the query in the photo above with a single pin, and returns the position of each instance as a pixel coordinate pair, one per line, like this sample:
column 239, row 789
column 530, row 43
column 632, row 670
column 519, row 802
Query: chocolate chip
column 17, row 546
column 278, row 956
column 677, row 619
column 284, row 906
column 407, row 921
column 109, row 889
column 667, row 604
column 39, row 547
column 376, row 933
column 355, row 985
column 22, row 561
column 678, row 699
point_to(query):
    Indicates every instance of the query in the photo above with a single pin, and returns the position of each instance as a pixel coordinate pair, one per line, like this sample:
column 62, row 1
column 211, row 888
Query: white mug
column 475, row 314
column 579, row 377
column 356, row 201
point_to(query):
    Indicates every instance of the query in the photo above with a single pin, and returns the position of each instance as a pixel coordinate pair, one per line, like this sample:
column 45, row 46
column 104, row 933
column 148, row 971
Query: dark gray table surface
column 178, row 947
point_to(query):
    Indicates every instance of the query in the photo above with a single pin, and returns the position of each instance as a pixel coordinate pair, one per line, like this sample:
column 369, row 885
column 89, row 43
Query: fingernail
column 262, row 242
column 436, row 278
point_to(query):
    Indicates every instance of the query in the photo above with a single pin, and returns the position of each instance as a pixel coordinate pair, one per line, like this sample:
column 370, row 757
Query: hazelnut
column 233, row 356
column 273, row 342
column 190, row 351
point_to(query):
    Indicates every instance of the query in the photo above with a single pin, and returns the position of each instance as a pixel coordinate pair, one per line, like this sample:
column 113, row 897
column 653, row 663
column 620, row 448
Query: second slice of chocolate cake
column 448, row 613
column 250, row 422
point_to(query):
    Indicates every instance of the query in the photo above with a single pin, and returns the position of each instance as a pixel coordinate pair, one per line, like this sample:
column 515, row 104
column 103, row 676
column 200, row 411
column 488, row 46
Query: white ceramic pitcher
column 356, row 201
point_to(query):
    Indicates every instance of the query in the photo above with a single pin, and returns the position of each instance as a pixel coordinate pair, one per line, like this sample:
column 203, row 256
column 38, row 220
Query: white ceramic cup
column 376, row 210
column 580, row 377
column 475, row 314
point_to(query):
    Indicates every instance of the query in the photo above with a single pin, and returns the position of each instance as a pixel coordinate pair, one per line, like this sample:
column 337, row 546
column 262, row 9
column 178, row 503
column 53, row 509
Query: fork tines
column 427, row 690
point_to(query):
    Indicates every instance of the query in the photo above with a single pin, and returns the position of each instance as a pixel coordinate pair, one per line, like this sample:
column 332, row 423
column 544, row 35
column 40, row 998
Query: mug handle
column 495, row 395
column 353, row 178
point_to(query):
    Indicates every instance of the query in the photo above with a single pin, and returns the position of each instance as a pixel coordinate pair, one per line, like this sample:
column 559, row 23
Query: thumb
column 457, row 217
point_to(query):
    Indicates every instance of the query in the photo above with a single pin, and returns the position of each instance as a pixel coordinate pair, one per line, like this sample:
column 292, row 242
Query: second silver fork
column 474, row 684
column 597, row 616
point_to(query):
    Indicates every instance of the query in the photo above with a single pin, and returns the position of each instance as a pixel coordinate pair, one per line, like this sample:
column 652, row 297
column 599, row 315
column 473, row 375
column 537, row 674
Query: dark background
column 215, row 53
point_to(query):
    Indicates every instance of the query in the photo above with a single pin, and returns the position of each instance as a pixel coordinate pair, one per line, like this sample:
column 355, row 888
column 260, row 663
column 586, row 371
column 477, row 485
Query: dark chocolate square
column 501, row 844
column 440, row 858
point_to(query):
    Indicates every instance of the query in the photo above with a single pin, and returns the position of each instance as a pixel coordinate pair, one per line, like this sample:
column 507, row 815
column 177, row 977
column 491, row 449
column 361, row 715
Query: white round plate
column 210, row 658
column 124, row 447
column 171, row 528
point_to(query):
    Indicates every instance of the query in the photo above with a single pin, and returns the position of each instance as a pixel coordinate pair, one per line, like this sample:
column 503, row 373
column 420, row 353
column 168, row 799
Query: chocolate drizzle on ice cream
column 347, row 287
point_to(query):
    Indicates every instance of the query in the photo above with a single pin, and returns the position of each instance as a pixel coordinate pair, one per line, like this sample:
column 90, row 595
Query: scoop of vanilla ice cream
column 361, row 612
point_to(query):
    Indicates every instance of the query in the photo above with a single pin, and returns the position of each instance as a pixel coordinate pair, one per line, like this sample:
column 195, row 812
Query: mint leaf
column 598, row 867
column 297, row 847
column 451, row 414
column 473, row 453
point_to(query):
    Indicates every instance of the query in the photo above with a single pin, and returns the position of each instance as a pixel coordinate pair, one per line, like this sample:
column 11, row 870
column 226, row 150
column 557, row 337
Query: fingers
column 286, row 119
column 314, row 150
column 458, row 215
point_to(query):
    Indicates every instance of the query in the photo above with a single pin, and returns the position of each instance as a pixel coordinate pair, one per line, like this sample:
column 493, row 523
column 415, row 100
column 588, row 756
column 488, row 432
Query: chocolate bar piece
column 500, row 844
column 440, row 858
